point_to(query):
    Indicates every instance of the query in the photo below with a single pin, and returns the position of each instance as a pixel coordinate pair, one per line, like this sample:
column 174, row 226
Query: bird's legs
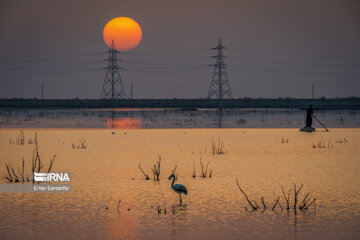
column 180, row 199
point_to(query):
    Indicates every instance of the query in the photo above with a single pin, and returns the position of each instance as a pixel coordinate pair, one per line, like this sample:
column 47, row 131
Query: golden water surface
column 106, row 171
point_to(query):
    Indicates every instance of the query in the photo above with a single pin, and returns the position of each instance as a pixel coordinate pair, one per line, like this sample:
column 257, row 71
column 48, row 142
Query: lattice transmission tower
column 112, row 88
column 220, row 85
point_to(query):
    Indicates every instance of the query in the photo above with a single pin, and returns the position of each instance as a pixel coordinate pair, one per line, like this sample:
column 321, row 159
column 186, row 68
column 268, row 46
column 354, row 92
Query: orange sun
column 124, row 31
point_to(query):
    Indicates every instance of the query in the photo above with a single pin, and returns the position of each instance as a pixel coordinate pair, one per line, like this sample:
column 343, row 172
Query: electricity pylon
column 112, row 88
column 220, row 85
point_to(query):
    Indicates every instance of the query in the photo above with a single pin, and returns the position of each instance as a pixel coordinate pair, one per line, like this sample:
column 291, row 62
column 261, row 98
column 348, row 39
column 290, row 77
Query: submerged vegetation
column 303, row 205
column 21, row 140
column 36, row 166
column 205, row 170
column 81, row 145
column 341, row 140
column 323, row 144
column 217, row 147
column 156, row 169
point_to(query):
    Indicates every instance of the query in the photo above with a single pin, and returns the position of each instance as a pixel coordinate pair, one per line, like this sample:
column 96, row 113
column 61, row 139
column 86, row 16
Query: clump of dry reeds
column 173, row 171
column 303, row 205
column 205, row 170
column 217, row 146
column 36, row 165
column 341, row 140
column 146, row 176
column 81, row 145
column 21, row 140
column 156, row 169
column 323, row 144
column 158, row 209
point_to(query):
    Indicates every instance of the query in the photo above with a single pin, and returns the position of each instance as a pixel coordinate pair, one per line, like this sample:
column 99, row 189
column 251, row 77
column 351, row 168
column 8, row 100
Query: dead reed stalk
column 22, row 172
column 36, row 165
column 263, row 202
column 158, row 209
column 8, row 177
column 277, row 201
column 51, row 163
column 156, row 169
column 210, row 173
column 303, row 205
column 203, row 169
column 173, row 171
column 20, row 140
column 146, row 176
column 15, row 176
column 247, row 199
column 313, row 201
column 296, row 192
column 287, row 199
column 217, row 146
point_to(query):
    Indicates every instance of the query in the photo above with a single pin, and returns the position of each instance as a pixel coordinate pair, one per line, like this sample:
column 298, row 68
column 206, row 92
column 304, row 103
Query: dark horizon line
column 177, row 98
column 352, row 103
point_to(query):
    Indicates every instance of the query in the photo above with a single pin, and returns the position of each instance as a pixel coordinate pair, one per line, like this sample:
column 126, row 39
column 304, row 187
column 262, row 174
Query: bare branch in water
column 247, row 199
column 257, row 205
column 263, row 202
column 15, row 176
column 203, row 170
column 277, row 201
column 158, row 209
column 51, row 163
column 146, row 176
column 296, row 192
column 313, row 201
column 287, row 199
column 281, row 207
column 156, row 169
column 21, row 173
column 210, row 173
column 304, row 201
column 173, row 171
column 9, row 177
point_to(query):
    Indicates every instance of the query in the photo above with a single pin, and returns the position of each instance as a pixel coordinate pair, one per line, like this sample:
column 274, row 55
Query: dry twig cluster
column 217, row 146
column 81, row 145
column 303, row 205
column 36, row 165
column 155, row 170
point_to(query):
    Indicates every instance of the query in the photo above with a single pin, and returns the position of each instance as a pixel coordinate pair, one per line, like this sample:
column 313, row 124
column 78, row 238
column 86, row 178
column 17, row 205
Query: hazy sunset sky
column 274, row 48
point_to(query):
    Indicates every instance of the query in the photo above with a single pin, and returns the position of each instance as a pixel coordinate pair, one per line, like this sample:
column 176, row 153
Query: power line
column 294, row 63
column 297, row 54
column 295, row 71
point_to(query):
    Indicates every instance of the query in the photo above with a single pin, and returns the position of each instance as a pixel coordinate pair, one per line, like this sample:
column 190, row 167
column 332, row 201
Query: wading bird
column 178, row 188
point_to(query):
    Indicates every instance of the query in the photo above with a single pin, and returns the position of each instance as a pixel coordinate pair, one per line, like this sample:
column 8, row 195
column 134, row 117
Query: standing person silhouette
column 309, row 113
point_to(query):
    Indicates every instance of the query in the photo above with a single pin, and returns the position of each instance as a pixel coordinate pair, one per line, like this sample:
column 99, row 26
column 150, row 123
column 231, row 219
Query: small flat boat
column 307, row 129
